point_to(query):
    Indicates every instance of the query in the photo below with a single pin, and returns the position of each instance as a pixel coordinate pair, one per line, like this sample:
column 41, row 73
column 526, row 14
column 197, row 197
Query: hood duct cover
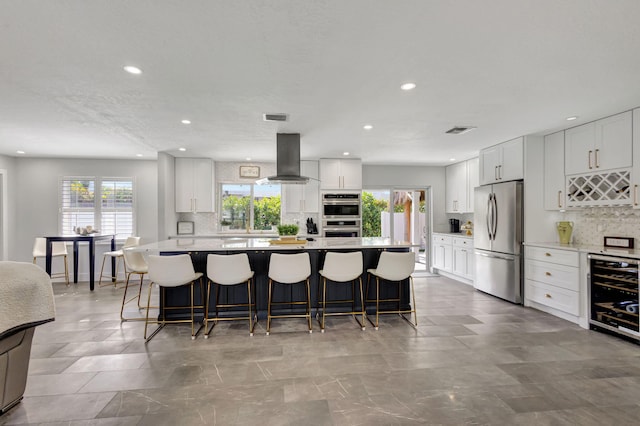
column 287, row 161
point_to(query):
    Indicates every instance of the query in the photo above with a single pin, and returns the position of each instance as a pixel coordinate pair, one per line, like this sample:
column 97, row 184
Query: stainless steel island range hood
column 287, row 161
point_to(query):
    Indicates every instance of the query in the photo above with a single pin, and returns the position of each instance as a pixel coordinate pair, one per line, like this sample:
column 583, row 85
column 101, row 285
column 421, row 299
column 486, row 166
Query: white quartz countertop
column 595, row 249
column 454, row 234
column 187, row 244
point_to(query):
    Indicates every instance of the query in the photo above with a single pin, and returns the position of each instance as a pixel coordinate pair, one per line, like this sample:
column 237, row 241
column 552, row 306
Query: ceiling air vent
column 458, row 130
column 274, row 117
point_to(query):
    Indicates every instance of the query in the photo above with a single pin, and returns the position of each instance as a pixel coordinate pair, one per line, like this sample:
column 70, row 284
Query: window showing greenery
column 373, row 204
column 114, row 214
column 248, row 206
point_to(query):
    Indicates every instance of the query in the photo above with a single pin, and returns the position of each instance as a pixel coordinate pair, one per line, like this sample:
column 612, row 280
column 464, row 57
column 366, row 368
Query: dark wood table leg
column 92, row 260
column 48, row 257
column 113, row 261
column 75, row 262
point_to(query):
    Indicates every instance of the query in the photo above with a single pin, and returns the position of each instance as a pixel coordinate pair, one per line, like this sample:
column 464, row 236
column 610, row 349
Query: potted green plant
column 288, row 231
column 225, row 224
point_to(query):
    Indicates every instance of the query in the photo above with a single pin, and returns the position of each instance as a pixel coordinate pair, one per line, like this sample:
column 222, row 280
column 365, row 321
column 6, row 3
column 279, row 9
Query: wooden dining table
column 77, row 239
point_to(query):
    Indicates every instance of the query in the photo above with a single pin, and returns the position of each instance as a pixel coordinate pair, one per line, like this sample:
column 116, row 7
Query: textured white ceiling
column 508, row 67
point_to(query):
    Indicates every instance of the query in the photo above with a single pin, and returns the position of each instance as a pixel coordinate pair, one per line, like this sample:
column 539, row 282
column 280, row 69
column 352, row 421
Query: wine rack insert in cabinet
column 602, row 189
column 614, row 295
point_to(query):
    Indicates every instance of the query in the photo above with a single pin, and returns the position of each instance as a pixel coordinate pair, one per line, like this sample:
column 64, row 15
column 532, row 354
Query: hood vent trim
column 287, row 161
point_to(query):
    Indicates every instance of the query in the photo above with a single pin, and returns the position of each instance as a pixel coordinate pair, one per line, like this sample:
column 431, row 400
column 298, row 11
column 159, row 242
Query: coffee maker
column 454, row 226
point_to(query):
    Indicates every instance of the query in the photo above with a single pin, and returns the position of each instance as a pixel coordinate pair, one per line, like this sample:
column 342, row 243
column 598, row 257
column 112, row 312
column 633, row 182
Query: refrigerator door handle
column 495, row 216
column 511, row 259
column 489, row 219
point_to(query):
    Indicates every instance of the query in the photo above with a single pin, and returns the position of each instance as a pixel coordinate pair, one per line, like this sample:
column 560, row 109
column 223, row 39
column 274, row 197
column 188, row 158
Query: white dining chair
column 289, row 269
column 394, row 267
column 58, row 249
column 118, row 255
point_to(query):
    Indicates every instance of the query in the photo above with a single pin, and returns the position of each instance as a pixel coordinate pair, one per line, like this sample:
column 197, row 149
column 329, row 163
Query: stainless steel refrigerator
column 498, row 240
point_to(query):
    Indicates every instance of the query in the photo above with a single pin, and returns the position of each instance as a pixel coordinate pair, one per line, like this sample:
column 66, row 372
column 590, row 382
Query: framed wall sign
column 185, row 228
column 249, row 171
column 619, row 242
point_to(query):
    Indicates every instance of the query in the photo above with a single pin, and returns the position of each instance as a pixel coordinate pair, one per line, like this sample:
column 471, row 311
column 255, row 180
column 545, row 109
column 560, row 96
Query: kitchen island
column 259, row 250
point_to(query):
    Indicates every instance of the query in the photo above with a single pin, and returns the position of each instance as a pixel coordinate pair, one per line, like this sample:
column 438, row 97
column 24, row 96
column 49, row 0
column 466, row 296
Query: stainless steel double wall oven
column 341, row 214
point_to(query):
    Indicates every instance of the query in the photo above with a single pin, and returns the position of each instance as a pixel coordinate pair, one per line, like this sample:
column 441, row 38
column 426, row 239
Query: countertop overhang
column 189, row 244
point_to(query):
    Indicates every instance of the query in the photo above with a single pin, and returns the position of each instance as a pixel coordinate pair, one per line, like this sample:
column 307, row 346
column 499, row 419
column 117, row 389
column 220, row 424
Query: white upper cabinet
column 554, row 184
column 336, row 173
column 604, row 144
column 635, row 172
column 303, row 198
column 194, row 185
column 502, row 162
column 473, row 179
column 456, row 191
column 460, row 181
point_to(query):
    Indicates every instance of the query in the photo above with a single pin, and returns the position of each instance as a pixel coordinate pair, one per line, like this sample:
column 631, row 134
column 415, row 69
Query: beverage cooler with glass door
column 614, row 295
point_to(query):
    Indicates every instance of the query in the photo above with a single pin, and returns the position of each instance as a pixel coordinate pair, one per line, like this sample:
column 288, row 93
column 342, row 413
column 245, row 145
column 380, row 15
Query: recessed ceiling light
column 248, row 158
column 408, row 86
column 132, row 70
column 138, row 155
column 572, row 118
column 20, row 152
column 367, row 127
column 345, row 153
column 182, row 149
column 186, row 121
column 452, row 159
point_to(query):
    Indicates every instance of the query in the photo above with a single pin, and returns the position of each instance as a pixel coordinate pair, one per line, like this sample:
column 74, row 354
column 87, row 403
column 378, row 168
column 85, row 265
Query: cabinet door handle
column 590, row 166
column 495, row 173
column 548, row 296
column 195, row 205
column 500, row 172
column 635, row 195
column 597, row 163
column 559, row 202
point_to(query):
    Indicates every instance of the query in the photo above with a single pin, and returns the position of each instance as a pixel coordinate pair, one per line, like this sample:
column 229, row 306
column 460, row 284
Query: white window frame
column 97, row 204
column 252, row 186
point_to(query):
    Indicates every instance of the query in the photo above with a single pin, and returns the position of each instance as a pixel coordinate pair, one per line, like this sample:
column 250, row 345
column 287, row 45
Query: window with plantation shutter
column 106, row 204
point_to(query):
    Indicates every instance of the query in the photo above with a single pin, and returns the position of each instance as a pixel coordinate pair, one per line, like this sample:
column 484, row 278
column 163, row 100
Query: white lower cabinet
column 442, row 252
column 463, row 257
column 453, row 256
column 552, row 281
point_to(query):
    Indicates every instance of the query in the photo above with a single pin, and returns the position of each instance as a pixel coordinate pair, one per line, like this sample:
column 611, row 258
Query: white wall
column 381, row 177
column 36, row 187
column 8, row 215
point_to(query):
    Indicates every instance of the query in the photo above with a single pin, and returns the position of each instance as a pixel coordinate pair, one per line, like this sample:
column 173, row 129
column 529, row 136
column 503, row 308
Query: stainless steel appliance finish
column 341, row 228
column 498, row 220
column 341, row 205
column 341, row 214
column 287, row 161
column 613, row 295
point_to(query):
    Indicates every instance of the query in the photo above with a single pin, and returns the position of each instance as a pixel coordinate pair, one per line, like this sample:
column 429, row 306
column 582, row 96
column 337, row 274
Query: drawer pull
column 547, row 254
column 548, row 296
column 548, row 274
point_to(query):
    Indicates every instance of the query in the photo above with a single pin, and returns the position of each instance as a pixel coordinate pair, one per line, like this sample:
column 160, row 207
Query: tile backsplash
column 591, row 225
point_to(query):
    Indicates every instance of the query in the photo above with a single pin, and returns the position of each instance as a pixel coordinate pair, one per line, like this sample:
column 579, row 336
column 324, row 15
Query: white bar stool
column 289, row 269
column 134, row 263
column 171, row 272
column 394, row 267
column 118, row 254
column 58, row 248
column 342, row 268
column 225, row 271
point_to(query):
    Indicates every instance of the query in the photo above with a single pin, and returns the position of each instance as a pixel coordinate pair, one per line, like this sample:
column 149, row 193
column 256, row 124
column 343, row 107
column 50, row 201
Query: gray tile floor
column 473, row 360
